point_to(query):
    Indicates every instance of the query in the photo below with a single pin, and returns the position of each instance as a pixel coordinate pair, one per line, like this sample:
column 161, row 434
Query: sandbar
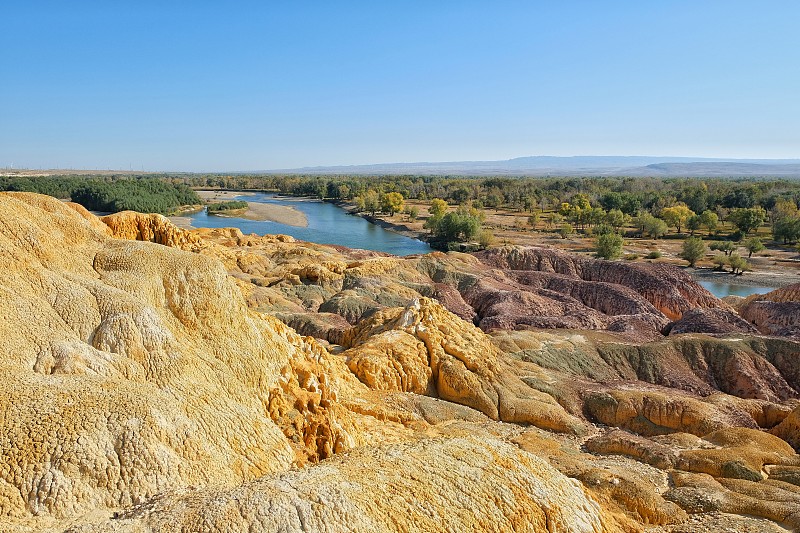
column 281, row 214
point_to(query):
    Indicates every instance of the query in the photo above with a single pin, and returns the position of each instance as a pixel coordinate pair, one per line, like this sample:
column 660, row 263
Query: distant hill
column 579, row 166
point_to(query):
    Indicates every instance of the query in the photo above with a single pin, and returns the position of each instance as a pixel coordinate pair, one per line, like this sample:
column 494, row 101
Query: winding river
column 327, row 224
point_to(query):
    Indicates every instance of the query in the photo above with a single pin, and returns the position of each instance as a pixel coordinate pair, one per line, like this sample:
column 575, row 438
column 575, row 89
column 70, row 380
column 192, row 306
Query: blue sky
column 215, row 86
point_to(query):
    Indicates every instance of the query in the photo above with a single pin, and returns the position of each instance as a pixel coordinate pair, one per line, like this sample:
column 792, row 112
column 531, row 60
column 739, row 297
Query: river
column 327, row 224
column 721, row 290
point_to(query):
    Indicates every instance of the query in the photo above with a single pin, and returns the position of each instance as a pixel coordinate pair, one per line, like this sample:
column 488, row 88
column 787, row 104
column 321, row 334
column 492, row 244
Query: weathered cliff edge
column 147, row 388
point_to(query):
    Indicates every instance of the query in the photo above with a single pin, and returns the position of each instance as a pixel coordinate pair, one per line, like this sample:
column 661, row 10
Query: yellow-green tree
column 676, row 216
column 392, row 202
column 438, row 207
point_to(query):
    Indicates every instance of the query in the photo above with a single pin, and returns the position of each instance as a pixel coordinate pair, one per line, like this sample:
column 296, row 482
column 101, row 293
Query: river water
column 327, row 224
column 720, row 290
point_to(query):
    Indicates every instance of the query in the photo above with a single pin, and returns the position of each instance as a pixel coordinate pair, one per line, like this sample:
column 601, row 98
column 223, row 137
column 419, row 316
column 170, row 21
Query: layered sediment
column 157, row 379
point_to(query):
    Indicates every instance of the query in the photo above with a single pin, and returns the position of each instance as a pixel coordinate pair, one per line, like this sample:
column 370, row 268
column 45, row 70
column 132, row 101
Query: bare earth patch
column 276, row 213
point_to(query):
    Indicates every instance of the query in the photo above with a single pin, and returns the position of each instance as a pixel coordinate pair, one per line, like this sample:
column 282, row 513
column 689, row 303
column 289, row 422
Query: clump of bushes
column 231, row 205
column 655, row 254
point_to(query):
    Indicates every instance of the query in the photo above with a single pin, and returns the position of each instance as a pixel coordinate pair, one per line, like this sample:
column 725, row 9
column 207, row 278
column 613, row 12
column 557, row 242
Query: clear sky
column 196, row 86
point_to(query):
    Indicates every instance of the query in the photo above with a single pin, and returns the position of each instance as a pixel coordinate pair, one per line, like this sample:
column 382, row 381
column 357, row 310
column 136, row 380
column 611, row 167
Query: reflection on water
column 721, row 290
column 327, row 224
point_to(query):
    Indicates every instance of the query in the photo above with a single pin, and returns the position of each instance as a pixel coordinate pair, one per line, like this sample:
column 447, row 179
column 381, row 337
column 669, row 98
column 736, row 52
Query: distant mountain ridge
column 579, row 166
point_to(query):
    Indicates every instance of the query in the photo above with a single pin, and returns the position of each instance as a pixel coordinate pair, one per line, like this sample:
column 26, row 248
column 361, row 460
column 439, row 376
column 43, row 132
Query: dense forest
column 109, row 194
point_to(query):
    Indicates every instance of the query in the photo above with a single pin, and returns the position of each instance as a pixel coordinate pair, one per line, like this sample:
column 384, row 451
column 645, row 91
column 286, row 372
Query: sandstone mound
column 404, row 487
column 124, row 375
column 152, row 228
column 425, row 349
column 775, row 313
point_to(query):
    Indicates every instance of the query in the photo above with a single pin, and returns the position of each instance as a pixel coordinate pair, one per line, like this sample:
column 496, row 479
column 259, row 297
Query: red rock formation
column 671, row 290
column 711, row 320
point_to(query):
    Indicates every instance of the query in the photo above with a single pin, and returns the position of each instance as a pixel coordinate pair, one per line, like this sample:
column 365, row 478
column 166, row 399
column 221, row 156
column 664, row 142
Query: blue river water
column 720, row 290
column 327, row 224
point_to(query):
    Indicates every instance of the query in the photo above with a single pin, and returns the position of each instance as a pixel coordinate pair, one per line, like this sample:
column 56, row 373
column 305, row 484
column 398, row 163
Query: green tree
column 710, row 220
column 392, row 202
column 650, row 225
column 458, row 226
column 693, row 250
column 753, row 246
column 609, row 246
column 727, row 247
column 581, row 201
column 533, row 220
column 566, row 230
column 615, row 218
column 787, row 229
column 748, row 219
column 693, row 224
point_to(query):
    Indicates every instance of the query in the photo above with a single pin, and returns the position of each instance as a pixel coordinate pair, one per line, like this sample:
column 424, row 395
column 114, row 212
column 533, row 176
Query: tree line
column 109, row 194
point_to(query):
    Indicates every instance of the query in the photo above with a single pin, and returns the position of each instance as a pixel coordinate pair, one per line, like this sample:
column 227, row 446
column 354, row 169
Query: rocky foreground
column 155, row 379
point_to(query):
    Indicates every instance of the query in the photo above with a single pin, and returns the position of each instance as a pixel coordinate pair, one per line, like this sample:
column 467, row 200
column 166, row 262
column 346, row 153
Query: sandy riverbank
column 281, row 214
column 182, row 222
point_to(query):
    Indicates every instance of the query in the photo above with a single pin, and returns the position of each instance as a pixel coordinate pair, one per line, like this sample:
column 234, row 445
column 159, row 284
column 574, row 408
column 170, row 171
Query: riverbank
column 773, row 280
column 403, row 228
column 258, row 211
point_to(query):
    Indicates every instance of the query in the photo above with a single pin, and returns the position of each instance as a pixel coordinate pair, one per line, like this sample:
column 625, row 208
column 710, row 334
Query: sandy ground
column 182, row 222
column 273, row 212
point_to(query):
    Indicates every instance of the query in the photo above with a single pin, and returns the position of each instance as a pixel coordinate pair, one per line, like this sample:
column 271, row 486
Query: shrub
column 226, row 206
column 609, row 246
column 693, row 250
column 738, row 264
column 753, row 246
column 486, row 238
column 655, row 254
